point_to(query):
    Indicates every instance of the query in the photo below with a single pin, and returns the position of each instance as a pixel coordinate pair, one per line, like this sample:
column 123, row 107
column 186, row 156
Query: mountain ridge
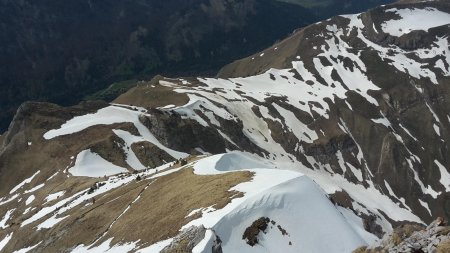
column 358, row 117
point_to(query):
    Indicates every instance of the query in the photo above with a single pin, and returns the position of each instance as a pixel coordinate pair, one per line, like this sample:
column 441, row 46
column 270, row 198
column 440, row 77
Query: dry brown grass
column 404, row 231
column 159, row 213
column 444, row 230
column 443, row 247
column 144, row 95
column 27, row 235
column 49, row 156
column 87, row 224
column 362, row 249
column 162, row 209
column 2, row 137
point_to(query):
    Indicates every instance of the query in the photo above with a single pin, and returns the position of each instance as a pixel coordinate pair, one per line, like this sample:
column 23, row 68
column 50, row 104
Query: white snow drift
column 414, row 19
column 89, row 164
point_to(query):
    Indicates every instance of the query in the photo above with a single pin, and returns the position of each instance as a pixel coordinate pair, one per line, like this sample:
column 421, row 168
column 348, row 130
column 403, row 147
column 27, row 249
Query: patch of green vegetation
column 112, row 91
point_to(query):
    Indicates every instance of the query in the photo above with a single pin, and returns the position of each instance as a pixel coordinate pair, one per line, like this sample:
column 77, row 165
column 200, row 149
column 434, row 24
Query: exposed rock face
column 183, row 135
column 150, row 155
column 414, row 238
column 186, row 240
column 251, row 233
column 217, row 244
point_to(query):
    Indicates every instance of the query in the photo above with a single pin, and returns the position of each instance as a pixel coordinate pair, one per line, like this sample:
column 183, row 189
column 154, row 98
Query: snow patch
column 37, row 187
column 26, row 181
column 285, row 203
column 107, row 116
column 89, row 164
column 425, row 205
column 414, row 19
column 6, row 218
column 157, row 247
column 54, row 196
column 445, row 175
column 29, row 200
column 105, row 247
column 27, row 249
column 5, row 241
column 50, row 222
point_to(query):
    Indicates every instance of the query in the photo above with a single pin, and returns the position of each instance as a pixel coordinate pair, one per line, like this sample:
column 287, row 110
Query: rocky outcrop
column 183, row 134
column 413, row 238
column 217, row 244
column 186, row 240
column 251, row 233
column 150, row 155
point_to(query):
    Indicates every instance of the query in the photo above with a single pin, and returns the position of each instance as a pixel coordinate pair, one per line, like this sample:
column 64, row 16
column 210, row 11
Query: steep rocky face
column 414, row 238
column 349, row 117
column 61, row 52
column 186, row 240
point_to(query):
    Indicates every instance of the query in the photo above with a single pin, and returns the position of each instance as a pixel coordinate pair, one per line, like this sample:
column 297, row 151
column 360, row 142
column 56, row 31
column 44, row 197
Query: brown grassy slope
column 443, row 247
column 162, row 209
column 273, row 58
column 158, row 214
column 144, row 95
column 18, row 160
column 2, row 137
column 303, row 42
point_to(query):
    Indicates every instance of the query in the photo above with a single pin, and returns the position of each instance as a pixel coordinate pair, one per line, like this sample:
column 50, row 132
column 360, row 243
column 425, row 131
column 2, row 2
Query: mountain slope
column 61, row 52
column 323, row 142
column 72, row 209
column 383, row 94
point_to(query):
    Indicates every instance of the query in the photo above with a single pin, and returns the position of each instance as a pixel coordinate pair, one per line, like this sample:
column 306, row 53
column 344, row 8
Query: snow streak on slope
column 107, row 116
column 105, row 247
column 129, row 140
column 5, row 240
column 26, row 181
